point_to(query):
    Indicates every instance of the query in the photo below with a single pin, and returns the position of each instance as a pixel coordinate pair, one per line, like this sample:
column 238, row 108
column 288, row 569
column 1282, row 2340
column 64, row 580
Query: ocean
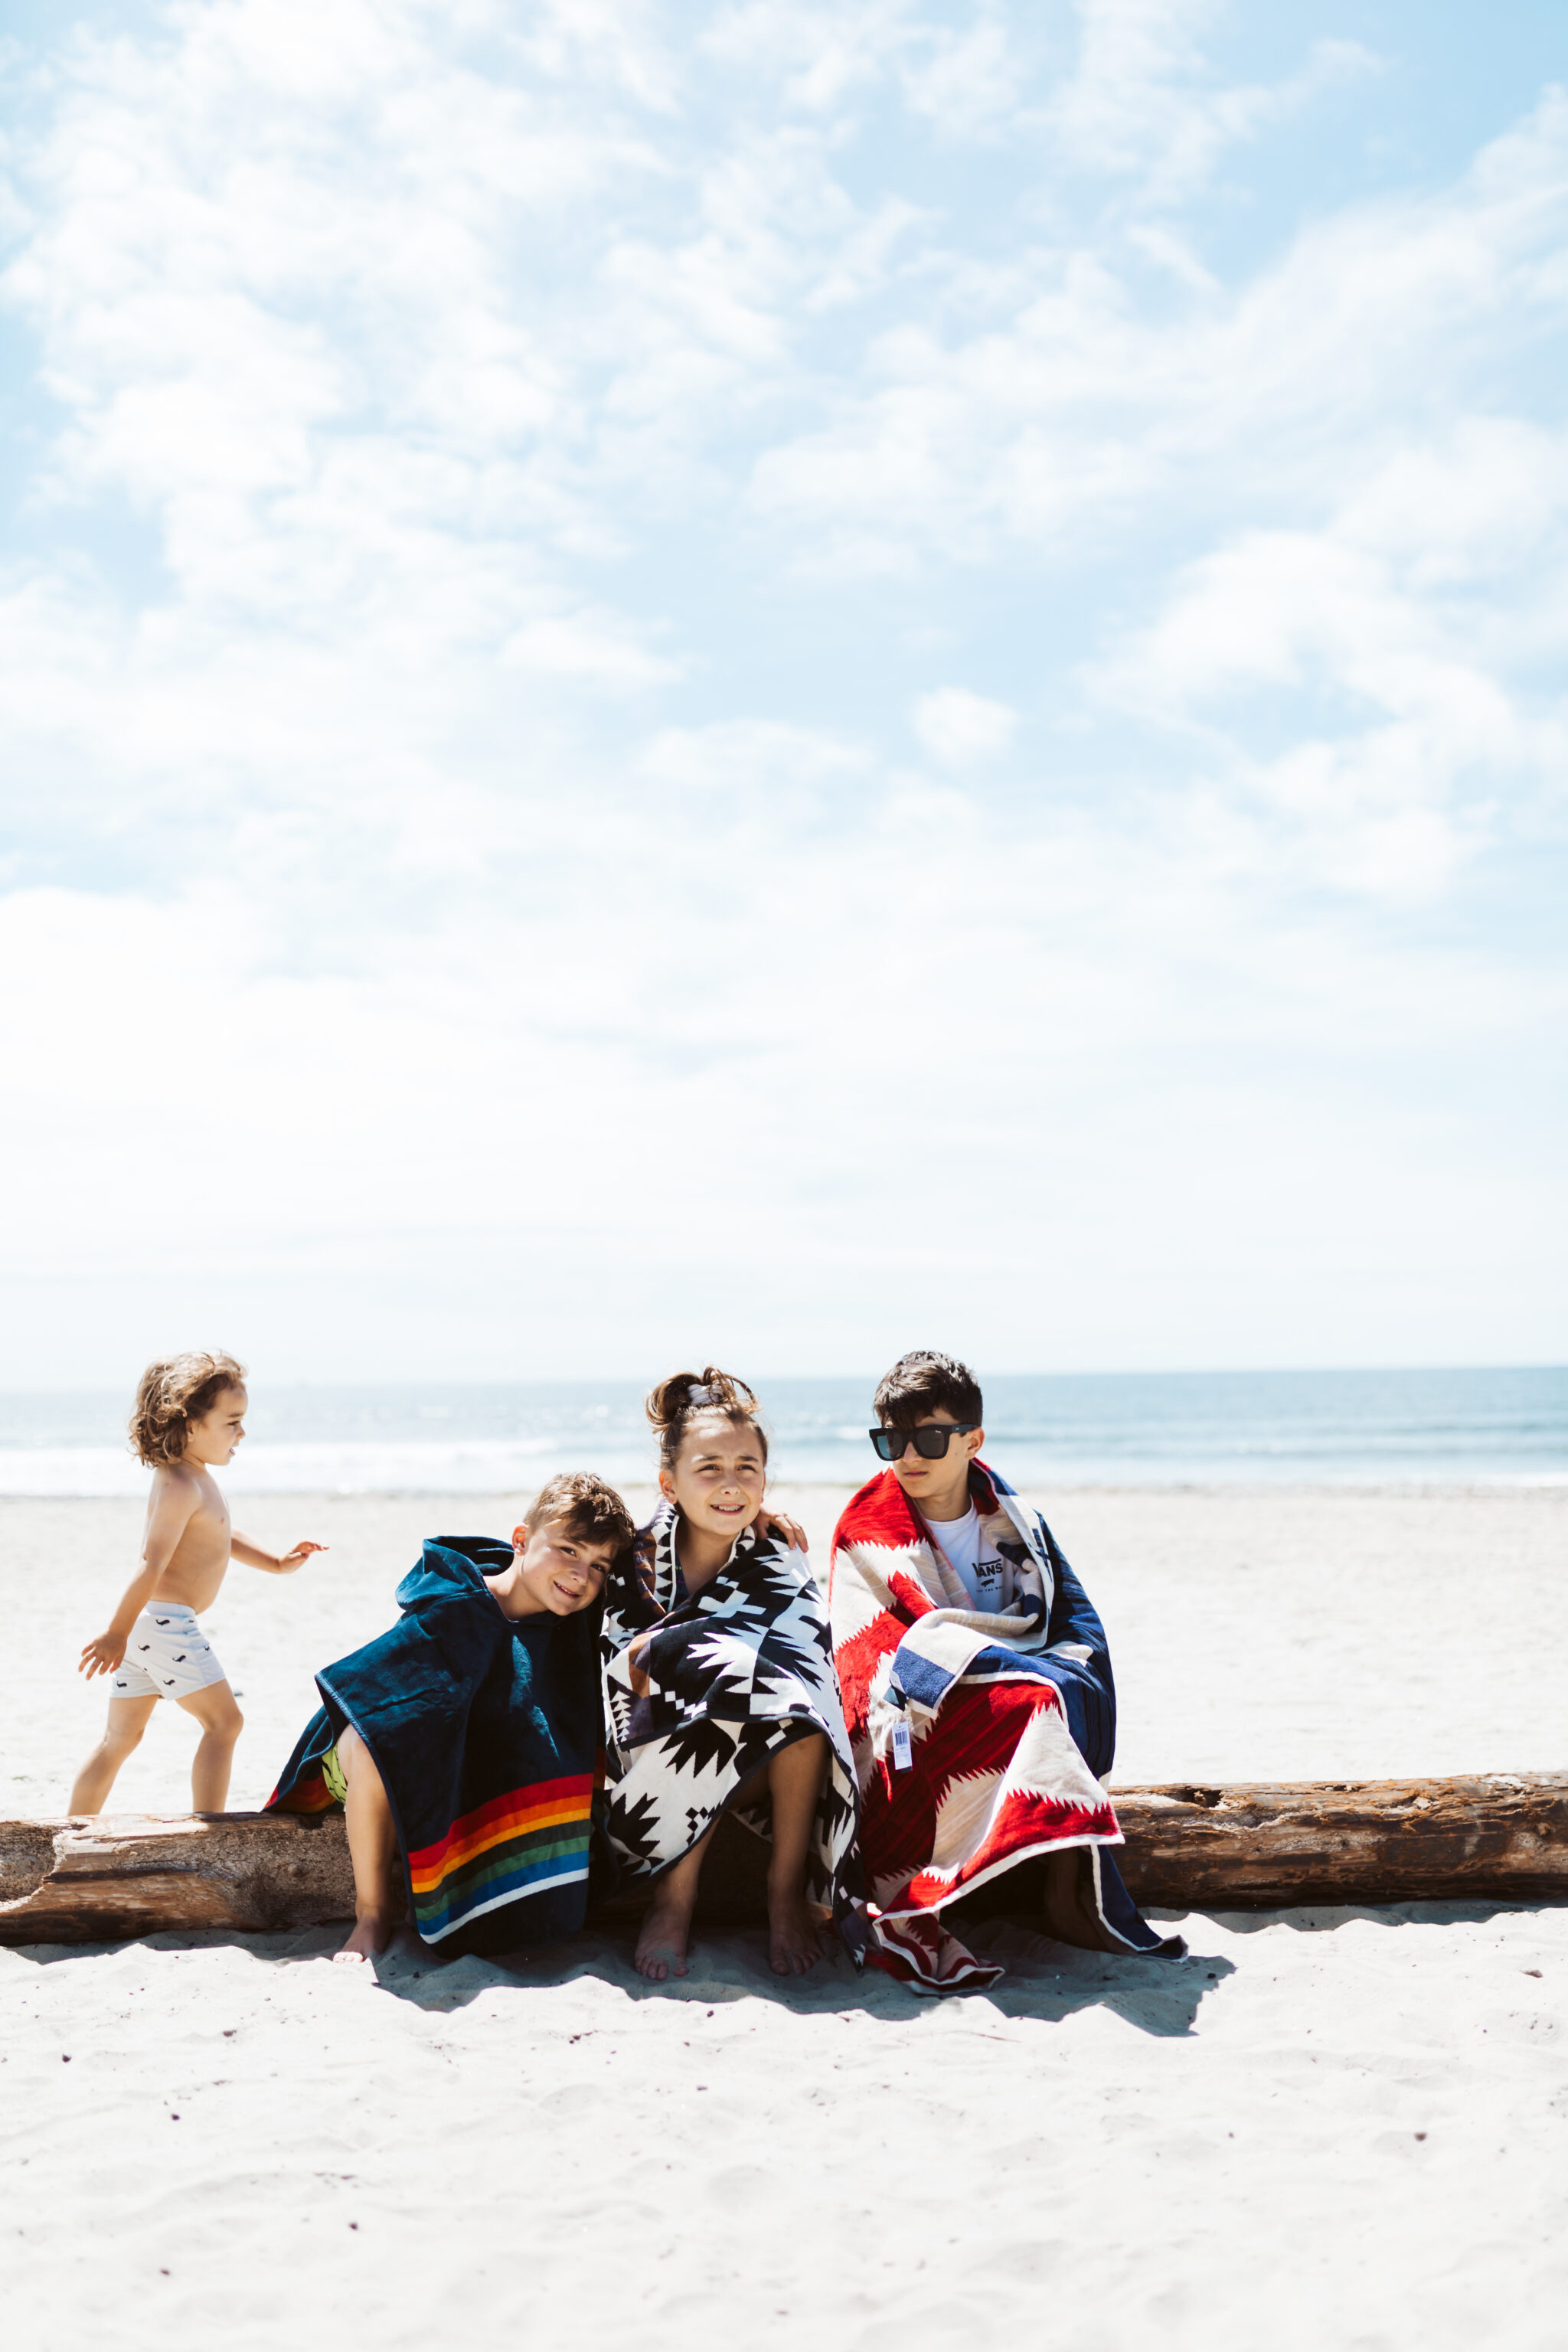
column 1123, row 1429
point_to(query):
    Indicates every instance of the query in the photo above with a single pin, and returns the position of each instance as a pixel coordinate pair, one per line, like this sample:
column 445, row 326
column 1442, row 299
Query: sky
column 764, row 683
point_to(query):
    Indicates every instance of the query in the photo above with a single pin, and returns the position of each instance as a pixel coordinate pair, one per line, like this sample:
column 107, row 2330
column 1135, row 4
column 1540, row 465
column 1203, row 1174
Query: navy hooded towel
column 486, row 1730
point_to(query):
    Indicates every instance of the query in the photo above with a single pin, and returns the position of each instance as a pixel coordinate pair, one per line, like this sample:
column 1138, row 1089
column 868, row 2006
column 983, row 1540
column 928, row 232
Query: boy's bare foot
column 795, row 1943
column 371, row 1936
column 666, row 1933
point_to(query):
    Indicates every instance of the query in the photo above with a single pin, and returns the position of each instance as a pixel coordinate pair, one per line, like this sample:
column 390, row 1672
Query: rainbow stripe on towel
column 306, row 1796
column 518, row 1844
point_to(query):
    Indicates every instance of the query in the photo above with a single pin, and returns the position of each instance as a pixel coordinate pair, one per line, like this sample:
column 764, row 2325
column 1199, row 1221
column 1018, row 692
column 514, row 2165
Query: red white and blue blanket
column 977, row 1736
column 486, row 1731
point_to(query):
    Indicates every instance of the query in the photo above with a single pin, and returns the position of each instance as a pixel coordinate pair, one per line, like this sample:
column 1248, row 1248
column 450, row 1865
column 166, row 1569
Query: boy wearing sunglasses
column 930, row 1462
column 977, row 1691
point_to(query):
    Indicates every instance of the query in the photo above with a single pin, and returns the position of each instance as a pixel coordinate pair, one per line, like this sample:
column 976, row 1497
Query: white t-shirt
column 977, row 1564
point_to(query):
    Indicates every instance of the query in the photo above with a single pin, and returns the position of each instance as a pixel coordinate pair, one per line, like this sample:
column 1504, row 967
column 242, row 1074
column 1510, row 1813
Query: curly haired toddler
column 189, row 1416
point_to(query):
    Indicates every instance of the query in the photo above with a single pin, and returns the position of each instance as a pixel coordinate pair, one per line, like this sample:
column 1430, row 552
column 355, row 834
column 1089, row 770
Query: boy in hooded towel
column 465, row 1743
column 977, row 1691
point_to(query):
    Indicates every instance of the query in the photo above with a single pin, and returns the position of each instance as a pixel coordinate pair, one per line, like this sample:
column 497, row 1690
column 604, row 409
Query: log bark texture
column 1216, row 1847
column 118, row 1875
column 1280, row 1843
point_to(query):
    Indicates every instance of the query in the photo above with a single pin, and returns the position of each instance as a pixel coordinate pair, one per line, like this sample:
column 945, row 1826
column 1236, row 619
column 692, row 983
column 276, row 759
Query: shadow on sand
column 1044, row 1980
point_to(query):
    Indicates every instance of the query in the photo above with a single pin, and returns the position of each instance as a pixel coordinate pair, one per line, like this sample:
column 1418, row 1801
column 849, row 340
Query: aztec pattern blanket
column 486, row 1730
column 977, row 1737
column 700, row 1691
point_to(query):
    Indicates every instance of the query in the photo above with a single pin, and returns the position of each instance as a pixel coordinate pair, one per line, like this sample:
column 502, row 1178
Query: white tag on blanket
column 903, row 1747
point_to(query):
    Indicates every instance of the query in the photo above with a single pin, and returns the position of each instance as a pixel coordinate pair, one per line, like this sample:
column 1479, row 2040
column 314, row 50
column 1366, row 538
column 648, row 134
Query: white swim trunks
column 167, row 1656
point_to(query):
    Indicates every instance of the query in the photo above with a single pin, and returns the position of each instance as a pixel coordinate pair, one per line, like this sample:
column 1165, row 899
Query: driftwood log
column 1224, row 1846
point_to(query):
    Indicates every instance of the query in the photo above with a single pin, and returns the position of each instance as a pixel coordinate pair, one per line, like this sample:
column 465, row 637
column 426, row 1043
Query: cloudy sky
column 773, row 682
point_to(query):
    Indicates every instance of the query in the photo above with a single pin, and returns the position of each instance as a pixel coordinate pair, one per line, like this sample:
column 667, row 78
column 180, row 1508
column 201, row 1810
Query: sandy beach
column 789, row 691
column 1333, row 2127
column 1298, row 1633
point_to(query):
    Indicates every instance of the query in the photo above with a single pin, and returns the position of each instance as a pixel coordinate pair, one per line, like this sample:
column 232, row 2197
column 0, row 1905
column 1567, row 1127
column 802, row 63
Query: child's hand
column 779, row 1523
column 101, row 1658
column 288, row 1561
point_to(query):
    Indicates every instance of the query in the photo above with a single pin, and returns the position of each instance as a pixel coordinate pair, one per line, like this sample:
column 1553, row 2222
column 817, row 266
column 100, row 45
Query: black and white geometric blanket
column 700, row 1691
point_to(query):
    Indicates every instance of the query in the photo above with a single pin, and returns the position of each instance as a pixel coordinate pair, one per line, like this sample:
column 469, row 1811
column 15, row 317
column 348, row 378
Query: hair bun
column 683, row 1395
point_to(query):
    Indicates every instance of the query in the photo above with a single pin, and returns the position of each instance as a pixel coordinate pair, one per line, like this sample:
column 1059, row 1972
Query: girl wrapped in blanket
column 720, row 1690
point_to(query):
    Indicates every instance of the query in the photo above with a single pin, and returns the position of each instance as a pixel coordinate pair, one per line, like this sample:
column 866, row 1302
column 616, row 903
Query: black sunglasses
column 929, row 1442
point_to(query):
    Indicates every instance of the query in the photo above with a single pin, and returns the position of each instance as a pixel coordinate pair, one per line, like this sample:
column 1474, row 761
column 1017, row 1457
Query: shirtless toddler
column 189, row 1417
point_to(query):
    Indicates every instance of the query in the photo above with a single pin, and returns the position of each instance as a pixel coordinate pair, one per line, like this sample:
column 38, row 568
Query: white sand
column 1331, row 2129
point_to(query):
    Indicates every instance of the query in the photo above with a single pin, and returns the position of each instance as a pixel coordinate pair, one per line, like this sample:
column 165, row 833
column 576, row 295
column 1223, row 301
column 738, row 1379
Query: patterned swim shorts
column 167, row 1656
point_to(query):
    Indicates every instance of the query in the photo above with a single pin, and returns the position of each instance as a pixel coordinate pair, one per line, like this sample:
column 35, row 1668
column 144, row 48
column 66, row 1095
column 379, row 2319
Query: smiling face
column 213, row 1438
column 559, row 1571
column 720, row 1475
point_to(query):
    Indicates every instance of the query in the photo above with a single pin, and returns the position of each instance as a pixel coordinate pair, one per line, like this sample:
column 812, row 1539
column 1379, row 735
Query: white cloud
column 958, row 728
column 1143, row 100
column 753, row 755
column 973, row 82
column 822, row 56
column 489, row 475
column 580, row 645
column 1075, row 408
column 1404, row 637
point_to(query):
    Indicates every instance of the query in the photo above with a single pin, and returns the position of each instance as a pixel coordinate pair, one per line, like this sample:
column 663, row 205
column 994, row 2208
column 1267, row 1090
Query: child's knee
column 121, row 1738
column 358, row 1766
column 225, row 1722
column 795, row 1771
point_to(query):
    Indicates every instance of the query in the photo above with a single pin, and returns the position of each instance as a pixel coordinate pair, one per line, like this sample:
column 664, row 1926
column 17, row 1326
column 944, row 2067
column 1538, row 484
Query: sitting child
column 719, row 1677
column 189, row 1416
column 463, row 1743
column 977, row 1687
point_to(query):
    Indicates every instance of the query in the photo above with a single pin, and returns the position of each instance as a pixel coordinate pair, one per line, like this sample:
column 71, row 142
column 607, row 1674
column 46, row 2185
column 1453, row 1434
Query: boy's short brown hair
column 586, row 1507
column 171, row 1395
column 924, row 1382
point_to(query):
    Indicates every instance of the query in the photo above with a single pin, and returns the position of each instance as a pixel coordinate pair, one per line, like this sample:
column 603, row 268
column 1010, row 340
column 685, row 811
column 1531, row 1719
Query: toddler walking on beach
column 188, row 1419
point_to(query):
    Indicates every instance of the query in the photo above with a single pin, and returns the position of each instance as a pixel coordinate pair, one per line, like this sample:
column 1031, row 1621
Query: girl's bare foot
column 371, row 1936
column 795, row 1943
column 666, row 1933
